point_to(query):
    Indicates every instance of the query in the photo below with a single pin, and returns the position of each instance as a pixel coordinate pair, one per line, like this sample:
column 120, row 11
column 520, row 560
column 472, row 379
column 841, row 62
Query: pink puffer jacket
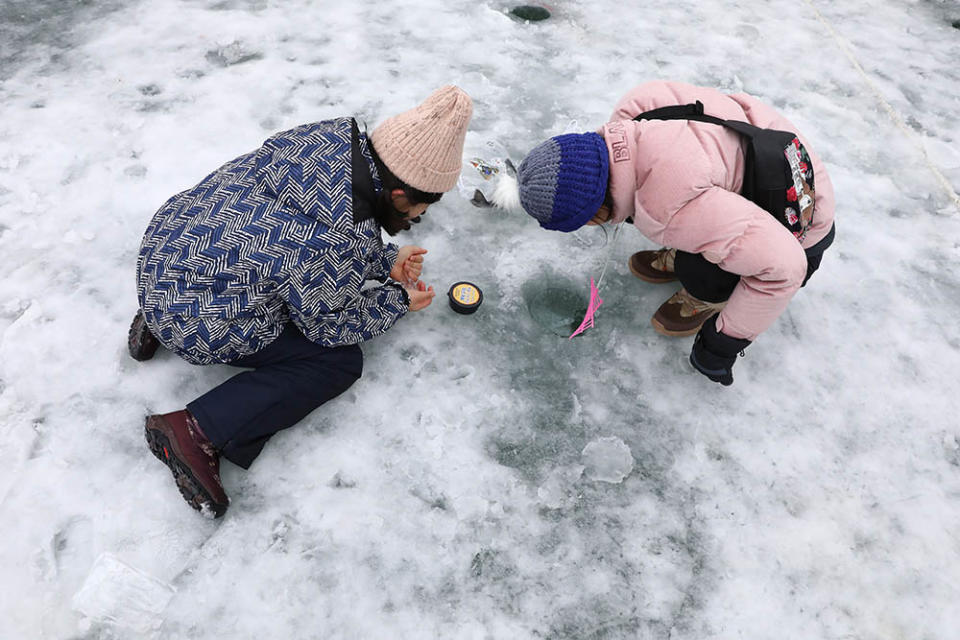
column 680, row 181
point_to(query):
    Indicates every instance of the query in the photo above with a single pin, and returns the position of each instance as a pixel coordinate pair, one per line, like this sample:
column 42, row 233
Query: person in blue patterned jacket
column 262, row 265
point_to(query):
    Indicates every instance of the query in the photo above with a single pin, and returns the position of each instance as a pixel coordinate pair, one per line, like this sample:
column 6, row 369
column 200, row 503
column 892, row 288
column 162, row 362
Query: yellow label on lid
column 466, row 294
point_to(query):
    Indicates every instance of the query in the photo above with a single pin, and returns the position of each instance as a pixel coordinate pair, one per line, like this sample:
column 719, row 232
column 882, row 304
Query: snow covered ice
column 442, row 495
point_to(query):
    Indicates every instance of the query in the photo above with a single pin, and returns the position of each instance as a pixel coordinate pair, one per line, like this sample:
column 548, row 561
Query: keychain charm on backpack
column 802, row 192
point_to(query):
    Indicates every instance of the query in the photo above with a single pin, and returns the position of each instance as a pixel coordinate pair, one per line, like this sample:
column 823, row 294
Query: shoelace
column 664, row 260
column 692, row 305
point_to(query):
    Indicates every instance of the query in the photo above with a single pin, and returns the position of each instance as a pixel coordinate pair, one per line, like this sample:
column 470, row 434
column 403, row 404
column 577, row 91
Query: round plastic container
column 465, row 297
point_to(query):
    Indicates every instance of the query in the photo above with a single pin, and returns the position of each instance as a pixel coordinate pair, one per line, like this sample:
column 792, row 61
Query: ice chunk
column 117, row 594
column 232, row 54
column 607, row 459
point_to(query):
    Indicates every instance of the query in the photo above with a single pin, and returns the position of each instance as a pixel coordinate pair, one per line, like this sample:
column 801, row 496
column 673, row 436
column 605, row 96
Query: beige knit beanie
column 424, row 146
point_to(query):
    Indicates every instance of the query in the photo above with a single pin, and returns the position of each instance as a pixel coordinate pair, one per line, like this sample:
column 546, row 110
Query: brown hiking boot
column 177, row 442
column 140, row 342
column 682, row 314
column 654, row 266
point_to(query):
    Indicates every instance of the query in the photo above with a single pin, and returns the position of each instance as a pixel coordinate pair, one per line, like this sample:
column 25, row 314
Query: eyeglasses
column 403, row 216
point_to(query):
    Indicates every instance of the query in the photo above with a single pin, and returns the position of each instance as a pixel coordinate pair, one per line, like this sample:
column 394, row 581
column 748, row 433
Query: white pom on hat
column 506, row 195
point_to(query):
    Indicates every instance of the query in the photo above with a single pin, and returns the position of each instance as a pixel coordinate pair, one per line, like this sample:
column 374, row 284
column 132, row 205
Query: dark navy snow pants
column 291, row 377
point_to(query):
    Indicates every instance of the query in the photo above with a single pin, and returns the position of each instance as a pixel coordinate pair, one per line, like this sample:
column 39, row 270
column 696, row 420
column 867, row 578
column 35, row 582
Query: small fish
column 479, row 200
column 486, row 170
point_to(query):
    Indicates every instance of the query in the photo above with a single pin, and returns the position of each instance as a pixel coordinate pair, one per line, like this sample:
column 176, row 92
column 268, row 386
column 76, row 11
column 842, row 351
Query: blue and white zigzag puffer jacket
column 265, row 239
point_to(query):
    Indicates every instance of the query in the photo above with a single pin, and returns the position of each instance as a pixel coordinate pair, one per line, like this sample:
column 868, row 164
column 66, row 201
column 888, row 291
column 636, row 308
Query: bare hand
column 420, row 295
column 409, row 264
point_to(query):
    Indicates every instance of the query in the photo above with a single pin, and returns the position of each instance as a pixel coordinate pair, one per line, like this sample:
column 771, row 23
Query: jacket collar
column 365, row 181
column 620, row 138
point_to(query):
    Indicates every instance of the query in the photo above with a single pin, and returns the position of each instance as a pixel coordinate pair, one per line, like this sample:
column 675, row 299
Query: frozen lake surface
column 486, row 478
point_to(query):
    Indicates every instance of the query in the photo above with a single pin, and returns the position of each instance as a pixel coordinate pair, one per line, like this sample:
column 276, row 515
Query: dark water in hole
column 556, row 305
column 530, row 12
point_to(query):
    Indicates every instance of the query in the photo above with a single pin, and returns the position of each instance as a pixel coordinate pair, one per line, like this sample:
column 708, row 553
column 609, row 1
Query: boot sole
column 662, row 330
column 651, row 279
column 191, row 490
column 137, row 342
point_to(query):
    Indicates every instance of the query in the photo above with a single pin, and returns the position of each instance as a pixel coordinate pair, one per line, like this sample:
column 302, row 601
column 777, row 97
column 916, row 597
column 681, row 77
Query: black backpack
column 778, row 174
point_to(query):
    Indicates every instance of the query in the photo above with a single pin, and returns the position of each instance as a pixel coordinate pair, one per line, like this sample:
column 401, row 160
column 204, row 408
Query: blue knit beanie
column 563, row 180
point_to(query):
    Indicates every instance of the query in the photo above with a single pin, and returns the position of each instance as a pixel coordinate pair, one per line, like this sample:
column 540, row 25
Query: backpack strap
column 681, row 112
column 695, row 112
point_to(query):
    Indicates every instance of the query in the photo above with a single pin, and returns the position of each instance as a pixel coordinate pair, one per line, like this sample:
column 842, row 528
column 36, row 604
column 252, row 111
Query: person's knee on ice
column 679, row 181
column 343, row 188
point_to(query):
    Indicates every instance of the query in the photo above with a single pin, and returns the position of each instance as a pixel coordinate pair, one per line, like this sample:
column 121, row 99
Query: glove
column 714, row 353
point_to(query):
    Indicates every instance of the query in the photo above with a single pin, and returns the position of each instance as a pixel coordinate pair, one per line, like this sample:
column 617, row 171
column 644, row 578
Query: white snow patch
column 558, row 490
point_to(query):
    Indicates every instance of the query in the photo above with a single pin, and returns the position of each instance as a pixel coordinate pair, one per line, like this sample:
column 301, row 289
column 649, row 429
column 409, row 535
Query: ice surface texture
column 607, row 460
column 446, row 494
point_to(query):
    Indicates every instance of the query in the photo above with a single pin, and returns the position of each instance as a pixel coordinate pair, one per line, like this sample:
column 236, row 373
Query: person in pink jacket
column 679, row 182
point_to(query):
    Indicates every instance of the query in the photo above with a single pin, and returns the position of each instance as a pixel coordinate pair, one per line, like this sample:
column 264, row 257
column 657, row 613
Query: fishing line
column 613, row 245
column 893, row 113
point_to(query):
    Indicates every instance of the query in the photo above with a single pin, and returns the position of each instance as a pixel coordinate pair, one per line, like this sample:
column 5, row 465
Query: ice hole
column 556, row 304
column 530, row 12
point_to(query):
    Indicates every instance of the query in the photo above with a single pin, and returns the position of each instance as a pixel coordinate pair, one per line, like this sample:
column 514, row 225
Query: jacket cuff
column 404, row 296
column 388, row 257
